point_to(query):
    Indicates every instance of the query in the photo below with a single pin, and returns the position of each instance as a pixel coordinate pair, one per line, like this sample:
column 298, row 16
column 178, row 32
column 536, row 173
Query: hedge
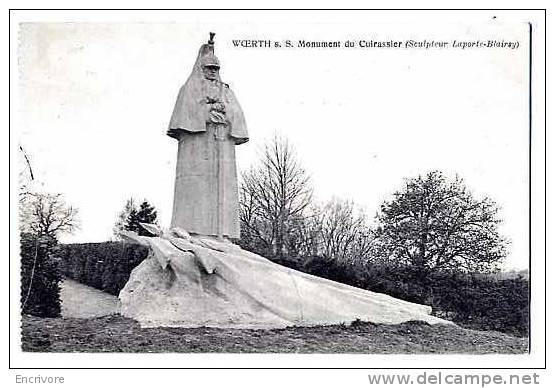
column 480, row 302
column 476, row 301
column 40, row 276
column 105, row 266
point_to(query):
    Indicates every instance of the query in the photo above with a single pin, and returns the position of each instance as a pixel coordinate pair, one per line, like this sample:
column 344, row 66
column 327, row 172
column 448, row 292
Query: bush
column 105, row 266
column 40, row 276
column 481, row 302
column 486, row 303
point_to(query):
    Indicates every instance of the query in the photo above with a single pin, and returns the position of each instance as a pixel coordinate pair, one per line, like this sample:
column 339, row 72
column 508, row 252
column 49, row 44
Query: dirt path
column 80, row 301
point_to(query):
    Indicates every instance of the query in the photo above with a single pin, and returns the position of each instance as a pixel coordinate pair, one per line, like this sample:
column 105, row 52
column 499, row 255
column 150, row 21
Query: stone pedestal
column 194, row 282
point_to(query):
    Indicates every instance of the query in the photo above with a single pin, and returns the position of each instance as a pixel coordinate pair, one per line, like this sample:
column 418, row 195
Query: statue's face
column 210, row 72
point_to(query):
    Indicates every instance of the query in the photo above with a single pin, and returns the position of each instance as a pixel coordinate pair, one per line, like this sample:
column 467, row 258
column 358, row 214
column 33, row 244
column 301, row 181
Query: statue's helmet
column 210, row 60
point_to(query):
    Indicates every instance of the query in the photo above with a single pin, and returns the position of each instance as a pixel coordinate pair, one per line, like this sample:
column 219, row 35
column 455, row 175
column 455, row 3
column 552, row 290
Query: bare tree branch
column 47, row 215
column 274, row 196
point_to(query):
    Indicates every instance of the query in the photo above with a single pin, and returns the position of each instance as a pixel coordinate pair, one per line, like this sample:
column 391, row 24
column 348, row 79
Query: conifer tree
column 146, row 213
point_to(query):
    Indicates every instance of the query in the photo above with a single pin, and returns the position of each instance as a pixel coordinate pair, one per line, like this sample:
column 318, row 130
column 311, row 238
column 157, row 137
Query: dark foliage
column 435, row 244
column 437, row 224
column 105, row 266
column 146, row 213
column 484, row 303
column 480, row 302
column 477, row 301
column 40, row 276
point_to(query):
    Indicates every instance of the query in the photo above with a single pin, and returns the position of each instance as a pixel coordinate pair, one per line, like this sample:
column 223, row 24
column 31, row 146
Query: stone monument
column 194, row 276
column 208, row 123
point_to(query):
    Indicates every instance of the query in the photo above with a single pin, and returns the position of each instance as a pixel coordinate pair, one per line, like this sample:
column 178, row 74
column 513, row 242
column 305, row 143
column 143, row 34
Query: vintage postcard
column 352, row 187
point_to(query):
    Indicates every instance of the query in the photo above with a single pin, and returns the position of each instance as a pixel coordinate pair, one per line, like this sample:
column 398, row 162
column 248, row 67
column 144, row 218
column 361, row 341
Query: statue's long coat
column 195, row 206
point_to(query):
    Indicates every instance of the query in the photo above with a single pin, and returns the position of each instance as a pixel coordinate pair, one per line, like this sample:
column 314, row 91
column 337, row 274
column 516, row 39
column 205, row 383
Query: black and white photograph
column 296, row 183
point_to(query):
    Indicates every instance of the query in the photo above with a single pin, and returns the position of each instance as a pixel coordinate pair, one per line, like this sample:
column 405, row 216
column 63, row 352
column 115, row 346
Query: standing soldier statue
column 190, row 279
column 208, row 122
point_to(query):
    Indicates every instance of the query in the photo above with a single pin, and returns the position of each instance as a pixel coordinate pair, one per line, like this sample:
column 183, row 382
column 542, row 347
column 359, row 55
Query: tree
column 44, row 214
column 273, row 198
column 42, row 218
column 146, row 214
column 304, row 237
column 435, row 224
column 40, row 276
column 123, row 215
column 345, row 233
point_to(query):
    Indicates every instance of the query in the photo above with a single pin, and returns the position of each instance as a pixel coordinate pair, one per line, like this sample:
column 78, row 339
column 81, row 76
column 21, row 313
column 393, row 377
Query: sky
column 95, row 100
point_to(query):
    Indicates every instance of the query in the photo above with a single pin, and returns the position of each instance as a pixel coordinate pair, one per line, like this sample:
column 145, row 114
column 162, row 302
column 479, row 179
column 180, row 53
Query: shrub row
column 479, row 302
column 40, row 276
column 105, row 266
column 476, row 301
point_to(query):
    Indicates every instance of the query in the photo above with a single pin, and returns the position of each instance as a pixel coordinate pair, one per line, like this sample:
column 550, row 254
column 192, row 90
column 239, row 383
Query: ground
column 84, row 327
column 80, row 301
column 115, row 333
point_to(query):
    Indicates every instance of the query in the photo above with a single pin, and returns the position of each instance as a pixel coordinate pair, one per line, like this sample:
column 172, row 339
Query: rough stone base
column 203, row 282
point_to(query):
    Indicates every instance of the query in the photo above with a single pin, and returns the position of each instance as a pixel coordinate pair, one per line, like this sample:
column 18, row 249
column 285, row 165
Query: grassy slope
column 115, row 333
